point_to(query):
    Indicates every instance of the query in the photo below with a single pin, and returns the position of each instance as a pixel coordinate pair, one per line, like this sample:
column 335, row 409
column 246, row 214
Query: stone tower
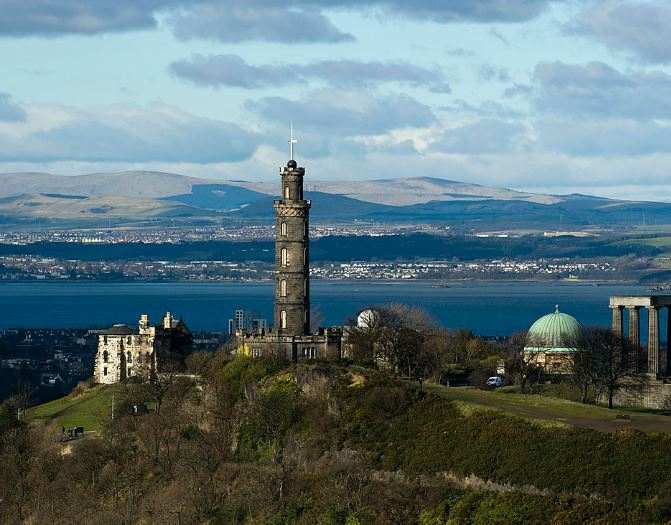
column 292, row 254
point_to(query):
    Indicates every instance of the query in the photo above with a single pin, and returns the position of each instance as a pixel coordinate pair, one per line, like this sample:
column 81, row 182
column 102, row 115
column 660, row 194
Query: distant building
column 291, row 335
column 240, row 320
column 124, row 352
column 551, row 342
column 259, row 326
column 246, row 322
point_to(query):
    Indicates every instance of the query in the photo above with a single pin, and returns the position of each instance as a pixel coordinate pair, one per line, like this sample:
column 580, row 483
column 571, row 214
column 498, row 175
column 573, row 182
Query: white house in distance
column 124, row 352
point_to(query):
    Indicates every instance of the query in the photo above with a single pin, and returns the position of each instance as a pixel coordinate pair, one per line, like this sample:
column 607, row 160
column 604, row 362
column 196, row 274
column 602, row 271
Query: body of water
column 487, row 308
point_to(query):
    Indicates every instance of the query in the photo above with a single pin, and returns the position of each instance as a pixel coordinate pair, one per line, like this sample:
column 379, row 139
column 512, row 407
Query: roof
column 117, row 329
column 553, row 333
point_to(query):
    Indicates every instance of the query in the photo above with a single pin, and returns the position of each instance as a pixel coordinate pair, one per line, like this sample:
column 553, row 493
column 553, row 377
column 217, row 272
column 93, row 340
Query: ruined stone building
column 124, row 352
column 291, row 335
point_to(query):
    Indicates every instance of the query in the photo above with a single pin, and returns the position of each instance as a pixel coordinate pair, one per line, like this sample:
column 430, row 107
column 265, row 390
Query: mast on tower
column 292, row 141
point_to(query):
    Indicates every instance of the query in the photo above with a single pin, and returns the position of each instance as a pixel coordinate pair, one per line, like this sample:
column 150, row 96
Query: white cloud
column 123, row 134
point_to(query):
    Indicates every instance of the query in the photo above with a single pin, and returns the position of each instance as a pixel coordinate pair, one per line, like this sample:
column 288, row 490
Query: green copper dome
column 553, row 333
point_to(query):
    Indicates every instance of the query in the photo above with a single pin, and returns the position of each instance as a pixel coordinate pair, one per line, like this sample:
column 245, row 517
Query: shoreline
column 435, row 282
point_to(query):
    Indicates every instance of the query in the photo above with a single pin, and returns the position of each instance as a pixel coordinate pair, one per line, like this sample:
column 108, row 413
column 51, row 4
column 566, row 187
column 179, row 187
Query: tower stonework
column 292, row 255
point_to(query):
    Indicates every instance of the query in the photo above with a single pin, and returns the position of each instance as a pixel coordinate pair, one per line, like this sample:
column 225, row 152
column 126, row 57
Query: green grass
column 554, row 411
column 89, row 410
column 662, row 242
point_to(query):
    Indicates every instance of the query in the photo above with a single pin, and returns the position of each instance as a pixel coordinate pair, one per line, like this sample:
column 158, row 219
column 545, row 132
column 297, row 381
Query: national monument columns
column 633, row 305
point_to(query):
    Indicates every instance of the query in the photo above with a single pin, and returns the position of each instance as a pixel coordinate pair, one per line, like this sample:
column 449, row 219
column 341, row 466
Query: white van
column 495, row 381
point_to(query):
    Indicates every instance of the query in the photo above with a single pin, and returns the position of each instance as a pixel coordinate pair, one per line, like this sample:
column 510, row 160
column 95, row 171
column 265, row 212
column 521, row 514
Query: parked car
column 495, row 381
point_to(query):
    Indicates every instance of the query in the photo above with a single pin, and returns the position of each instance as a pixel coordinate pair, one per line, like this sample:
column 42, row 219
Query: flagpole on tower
column 292, row 141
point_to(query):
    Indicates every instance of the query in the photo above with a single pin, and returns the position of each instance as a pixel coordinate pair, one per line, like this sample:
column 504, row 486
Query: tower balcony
column 291, row 202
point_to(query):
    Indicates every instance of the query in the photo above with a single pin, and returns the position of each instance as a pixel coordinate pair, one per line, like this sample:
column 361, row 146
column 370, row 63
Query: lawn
column 89, row 410
column 554, row 411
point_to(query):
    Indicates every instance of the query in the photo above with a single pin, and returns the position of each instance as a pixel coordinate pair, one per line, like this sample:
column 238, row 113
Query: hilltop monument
column 291, row 334
column 292, row 255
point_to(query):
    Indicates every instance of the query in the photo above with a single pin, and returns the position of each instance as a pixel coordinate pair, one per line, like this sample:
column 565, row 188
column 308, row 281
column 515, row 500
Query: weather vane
column 292, row 141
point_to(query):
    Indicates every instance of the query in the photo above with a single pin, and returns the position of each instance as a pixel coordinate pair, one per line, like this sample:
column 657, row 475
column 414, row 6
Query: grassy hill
column 272, row 443
column 90, row 409
column 551, row 411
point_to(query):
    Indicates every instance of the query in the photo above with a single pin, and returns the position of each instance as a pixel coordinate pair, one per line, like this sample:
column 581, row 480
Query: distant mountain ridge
column 141, row 197
column 153, row 184
column 410, row 191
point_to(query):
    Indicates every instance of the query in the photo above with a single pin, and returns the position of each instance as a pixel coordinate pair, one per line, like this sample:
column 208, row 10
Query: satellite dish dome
column 292, row 164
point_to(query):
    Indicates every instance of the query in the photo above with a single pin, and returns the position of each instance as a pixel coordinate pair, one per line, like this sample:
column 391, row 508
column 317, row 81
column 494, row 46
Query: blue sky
column 548, row 96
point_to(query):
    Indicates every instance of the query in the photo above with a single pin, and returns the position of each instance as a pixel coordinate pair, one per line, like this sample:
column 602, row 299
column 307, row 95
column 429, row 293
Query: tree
column 403, row 339
column 608, row 361
column 522, row 366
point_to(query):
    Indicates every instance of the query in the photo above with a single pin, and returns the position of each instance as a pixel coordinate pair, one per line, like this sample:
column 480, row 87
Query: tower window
column 286, row 192
column 105, row 371
column 283, row 288
column 283, row 228
column 284, row 257
column 283, row 319
column 106, row 356
column 129, row 357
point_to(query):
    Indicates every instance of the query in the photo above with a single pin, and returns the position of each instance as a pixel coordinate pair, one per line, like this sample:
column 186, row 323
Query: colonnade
column 633, row 305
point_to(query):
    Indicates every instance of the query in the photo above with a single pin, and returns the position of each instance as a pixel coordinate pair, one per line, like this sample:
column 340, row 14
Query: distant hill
column 220, row 197
column 153, row 184
column 131, row 184
column 79, row 209
column 414, row 190
column 135, row 197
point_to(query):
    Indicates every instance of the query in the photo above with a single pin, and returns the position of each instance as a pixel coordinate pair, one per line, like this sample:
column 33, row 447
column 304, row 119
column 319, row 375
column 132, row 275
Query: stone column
column 665, row 366
column 635, row 326
column 618, row 325
column 653, row 340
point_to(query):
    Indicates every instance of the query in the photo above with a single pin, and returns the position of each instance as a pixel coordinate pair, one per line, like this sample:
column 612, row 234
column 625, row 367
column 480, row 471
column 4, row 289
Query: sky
column 553, row 96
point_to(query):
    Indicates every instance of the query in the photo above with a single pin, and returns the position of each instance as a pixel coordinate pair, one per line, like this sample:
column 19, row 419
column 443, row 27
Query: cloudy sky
column 550, row 96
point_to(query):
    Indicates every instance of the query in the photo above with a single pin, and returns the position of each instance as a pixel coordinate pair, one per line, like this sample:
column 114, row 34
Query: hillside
column 266, row 442
column 90, row 409
column 55, row 206
column 412, row 191
column 131, row 184
column 348, row 248
column 130, row 198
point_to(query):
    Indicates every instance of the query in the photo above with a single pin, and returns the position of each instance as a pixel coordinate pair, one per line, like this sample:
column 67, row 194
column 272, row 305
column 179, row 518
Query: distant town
column 26, row 267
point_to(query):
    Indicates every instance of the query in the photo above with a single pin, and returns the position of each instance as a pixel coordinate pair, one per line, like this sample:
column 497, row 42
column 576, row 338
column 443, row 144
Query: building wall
column 550, row 362
column 123, row 356
column 295, row 348
column 652, row 394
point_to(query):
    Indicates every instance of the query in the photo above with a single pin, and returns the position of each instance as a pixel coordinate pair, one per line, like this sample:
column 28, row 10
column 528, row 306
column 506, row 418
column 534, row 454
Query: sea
column 490, row 308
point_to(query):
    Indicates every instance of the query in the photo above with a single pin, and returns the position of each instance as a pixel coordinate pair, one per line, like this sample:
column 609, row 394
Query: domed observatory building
column 551, row 342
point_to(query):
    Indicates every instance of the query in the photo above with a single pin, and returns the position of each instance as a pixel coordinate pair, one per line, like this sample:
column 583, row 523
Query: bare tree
column 397, row 336
column 522, row 365
column 608, row 361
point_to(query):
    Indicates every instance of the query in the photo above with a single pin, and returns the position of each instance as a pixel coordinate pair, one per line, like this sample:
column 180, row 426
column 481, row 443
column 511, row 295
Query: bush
column 432, row 435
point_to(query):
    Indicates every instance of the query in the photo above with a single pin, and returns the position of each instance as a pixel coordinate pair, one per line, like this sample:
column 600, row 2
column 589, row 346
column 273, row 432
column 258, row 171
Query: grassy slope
column 553, row 410
column 89, row 410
